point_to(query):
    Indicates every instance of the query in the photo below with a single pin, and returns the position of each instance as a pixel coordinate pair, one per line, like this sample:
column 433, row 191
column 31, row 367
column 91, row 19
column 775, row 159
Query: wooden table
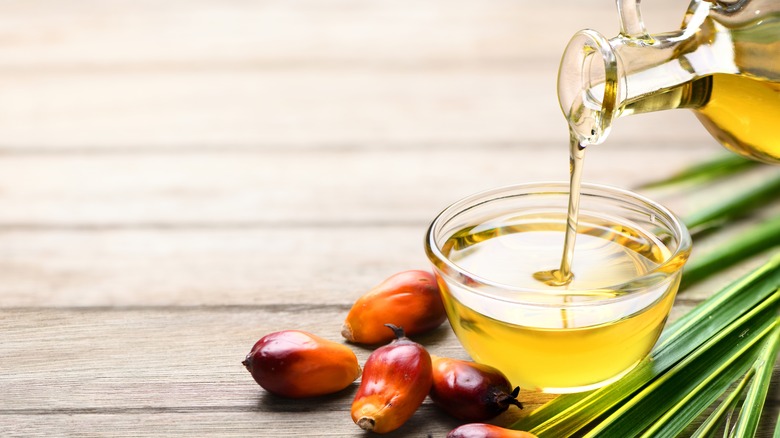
column 179, row 178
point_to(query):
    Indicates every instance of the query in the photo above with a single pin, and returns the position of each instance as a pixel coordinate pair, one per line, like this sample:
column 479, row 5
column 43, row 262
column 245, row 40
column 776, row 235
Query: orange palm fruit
column 396, row 379
column 296, row 364
column 482, row 430
column 408, row 299
column 470, row 391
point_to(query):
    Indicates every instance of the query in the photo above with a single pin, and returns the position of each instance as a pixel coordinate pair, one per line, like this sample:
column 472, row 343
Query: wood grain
column 93, row 33
column 53, row 370
column 141, row 74
column 191, row 266
column 179, row 178
column 220, row 230
column 385, row 185
column 284, row 107
column 168, row 370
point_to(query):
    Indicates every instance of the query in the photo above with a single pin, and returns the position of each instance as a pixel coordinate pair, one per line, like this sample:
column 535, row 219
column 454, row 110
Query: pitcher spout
column 600, row 79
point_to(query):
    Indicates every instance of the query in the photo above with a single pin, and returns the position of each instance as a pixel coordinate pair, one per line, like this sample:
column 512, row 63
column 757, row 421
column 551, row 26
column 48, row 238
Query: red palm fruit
column 470, row 391
column 297, row 364
column 396, row 379
column 408, row 299
column 482, row 430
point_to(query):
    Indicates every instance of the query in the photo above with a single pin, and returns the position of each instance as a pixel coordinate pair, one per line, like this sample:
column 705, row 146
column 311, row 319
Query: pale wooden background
column 179, row 178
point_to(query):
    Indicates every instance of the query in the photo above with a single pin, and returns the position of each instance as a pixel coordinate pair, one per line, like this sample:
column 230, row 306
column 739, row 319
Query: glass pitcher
column 724, row 64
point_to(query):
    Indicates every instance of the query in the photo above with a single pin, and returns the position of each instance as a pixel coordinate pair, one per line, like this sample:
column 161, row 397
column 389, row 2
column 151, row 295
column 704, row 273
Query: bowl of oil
column 489, row 249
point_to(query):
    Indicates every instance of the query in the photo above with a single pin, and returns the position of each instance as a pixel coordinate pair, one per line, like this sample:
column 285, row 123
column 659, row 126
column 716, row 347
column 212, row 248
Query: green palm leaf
column 749, row 417
column 569, row 414
column 757, row 239
column 668, row 404
column 737, row 205
column 719, row 167
column 711, row 424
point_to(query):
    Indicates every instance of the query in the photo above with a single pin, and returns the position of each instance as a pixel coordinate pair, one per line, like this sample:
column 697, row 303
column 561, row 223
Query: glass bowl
column 628, row 258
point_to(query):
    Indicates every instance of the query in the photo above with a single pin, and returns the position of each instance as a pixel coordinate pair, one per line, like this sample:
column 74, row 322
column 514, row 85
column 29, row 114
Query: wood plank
column 322, row 420
column 326, row 107
column 137, row 367
column 381, row 186
column 427, row 422
column 48, row 34
column 251, row 266
column 124, row 74
column 218, row 232
column 165, row 370
column 275, row 265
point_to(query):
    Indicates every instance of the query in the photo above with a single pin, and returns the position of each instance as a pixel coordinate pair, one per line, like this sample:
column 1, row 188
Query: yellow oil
column 742, row 113
column 739, row 111
column 573, row 337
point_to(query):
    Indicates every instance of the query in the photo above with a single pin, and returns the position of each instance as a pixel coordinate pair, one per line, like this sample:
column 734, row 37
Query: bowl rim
column 660, row 273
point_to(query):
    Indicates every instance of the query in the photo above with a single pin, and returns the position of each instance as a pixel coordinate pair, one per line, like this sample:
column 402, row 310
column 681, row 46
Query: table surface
column 180, row 178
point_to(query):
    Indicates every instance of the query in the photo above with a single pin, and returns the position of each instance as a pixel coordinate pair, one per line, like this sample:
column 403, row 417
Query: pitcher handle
column 631, row 24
